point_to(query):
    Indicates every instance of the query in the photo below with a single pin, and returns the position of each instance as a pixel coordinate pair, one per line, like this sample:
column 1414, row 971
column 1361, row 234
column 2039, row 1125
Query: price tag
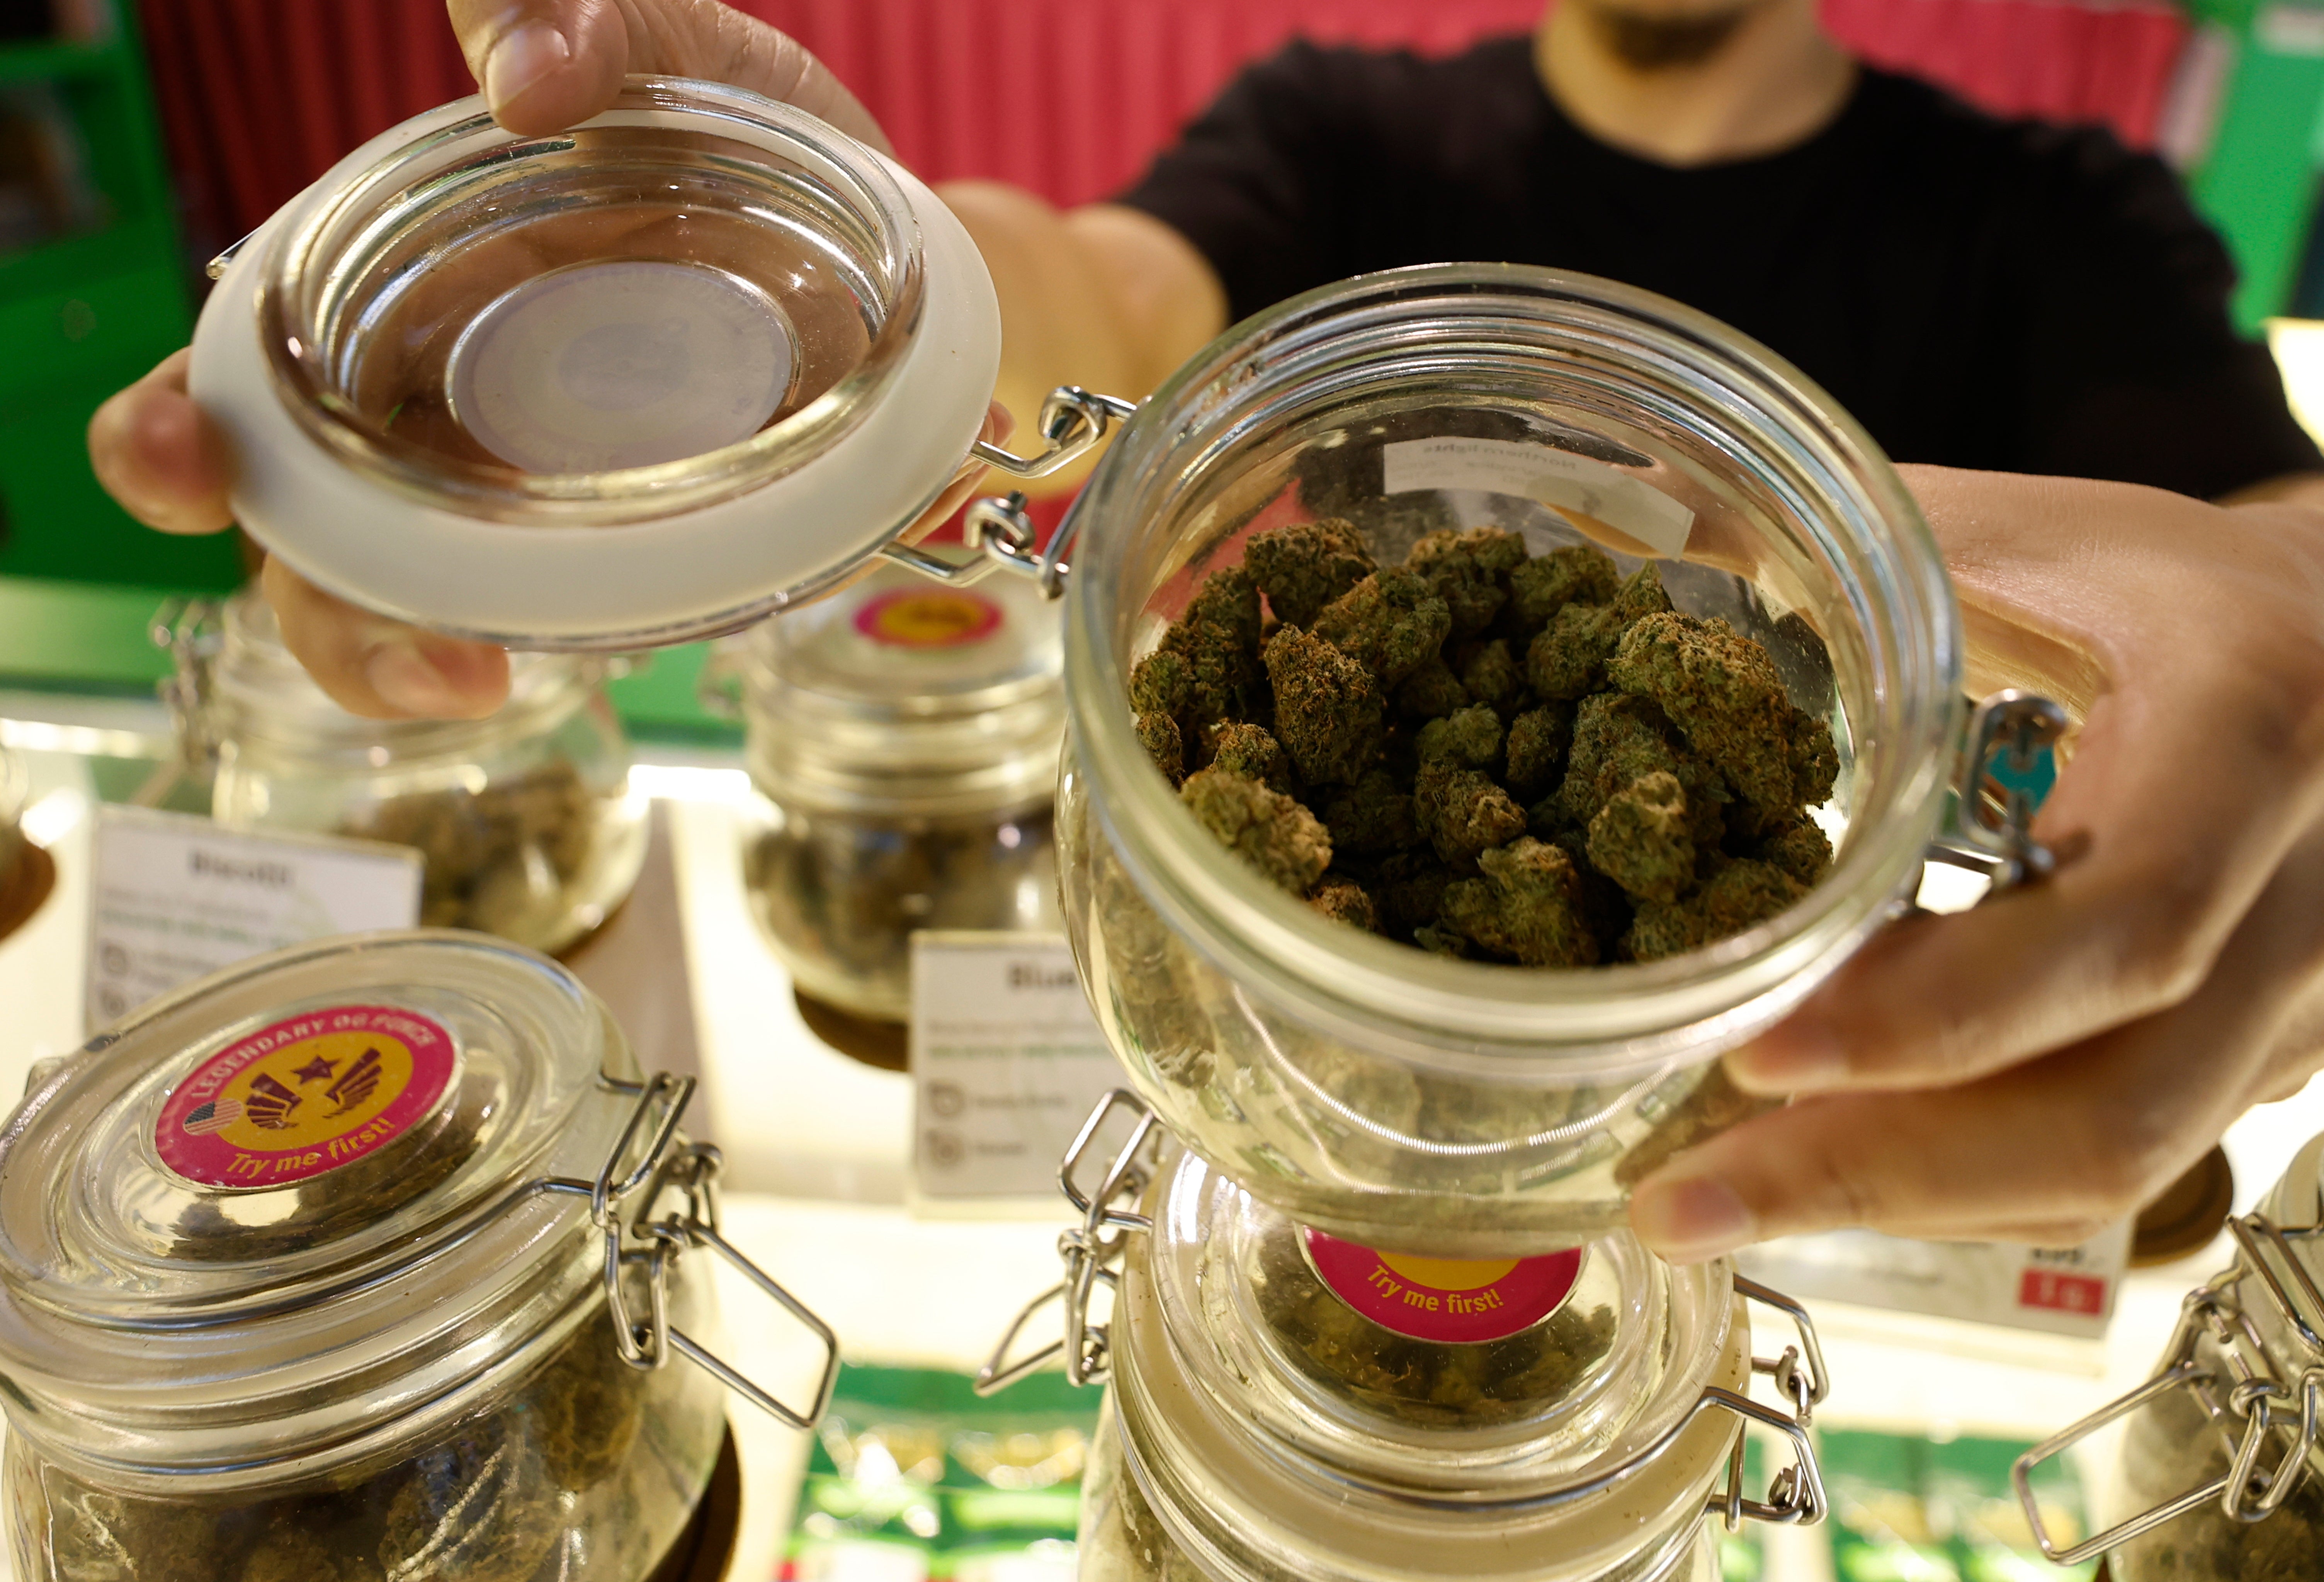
column 173, row 898
column 1007, row 1061
column 2062, row 1291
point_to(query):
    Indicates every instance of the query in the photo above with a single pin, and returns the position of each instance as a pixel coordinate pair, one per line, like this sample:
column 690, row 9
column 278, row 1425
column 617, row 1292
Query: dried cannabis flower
column 1265, row 828
column 1327, row 708
column 1631, row 786
column 1391, row 623
column 1304, row 567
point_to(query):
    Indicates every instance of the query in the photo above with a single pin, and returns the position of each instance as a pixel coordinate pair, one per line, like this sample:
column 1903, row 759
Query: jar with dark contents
column 902, row 739
column 301, row 1282
column 524, row 818
column 1284, row 1405
column 23, row 869
column 2221, row 1467
column 1493, row 693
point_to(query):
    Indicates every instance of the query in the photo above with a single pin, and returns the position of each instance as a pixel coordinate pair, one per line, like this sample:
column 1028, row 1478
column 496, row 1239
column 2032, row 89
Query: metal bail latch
column 1994, row 835
column 1796, row 1495
column 1073, row 421
column 1092, row 1252
column 642, row 1248
column 2246, row 1384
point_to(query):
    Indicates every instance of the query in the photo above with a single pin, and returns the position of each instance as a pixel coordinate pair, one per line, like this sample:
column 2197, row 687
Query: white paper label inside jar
column 622, row 363
column 1556, row 478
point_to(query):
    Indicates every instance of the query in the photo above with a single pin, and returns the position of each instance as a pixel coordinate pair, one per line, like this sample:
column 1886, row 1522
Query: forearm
column 1101, row 297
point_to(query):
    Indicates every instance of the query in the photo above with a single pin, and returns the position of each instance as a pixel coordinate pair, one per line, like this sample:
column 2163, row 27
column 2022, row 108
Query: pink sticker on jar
column 304, row 1095
column 1452, row 1301
column 928, row 618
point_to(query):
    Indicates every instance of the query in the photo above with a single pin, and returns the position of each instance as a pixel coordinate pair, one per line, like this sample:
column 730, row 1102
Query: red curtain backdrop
column 1067, row 97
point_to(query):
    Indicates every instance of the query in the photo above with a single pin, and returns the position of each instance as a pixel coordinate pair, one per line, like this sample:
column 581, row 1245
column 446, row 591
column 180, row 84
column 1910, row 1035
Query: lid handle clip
column 1092, row 1252
column 2245, row 1383
column 1796, row 1495
column 649, row 1246
column 2003, row 777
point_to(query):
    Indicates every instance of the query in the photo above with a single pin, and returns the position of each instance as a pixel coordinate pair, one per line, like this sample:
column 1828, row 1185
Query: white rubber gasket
column 664, row 580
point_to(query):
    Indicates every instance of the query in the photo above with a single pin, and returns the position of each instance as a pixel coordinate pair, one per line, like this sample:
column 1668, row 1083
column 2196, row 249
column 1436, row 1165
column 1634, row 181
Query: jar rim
column 1480, row 1018
column 302, row 269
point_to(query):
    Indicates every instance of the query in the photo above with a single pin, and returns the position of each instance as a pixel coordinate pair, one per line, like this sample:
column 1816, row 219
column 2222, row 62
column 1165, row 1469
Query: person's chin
column 1666, row 35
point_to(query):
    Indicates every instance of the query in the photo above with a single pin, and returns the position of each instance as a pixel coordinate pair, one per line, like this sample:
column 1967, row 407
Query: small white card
column 173, row 896
column 1555, row 477
column 1007, row 1061
column 2062, row 1291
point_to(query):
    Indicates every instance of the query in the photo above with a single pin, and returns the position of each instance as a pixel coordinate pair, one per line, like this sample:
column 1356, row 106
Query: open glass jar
column 1410, row 1101
column 1281, row 1405
column 525, row 818
column 362, row 1259
column 643, row 381
column 902, row 739
column 2222, row 1466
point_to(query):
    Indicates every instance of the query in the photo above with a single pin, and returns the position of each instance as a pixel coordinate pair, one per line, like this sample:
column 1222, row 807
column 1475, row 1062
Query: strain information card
column 174, row 898
column 1007, row 1061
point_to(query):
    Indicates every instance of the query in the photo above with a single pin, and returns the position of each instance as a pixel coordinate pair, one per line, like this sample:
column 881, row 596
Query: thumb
column 545, row 65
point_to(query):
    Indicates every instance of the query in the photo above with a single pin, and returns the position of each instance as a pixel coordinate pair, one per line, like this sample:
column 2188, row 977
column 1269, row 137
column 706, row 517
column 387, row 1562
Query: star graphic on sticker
column 316, row 1070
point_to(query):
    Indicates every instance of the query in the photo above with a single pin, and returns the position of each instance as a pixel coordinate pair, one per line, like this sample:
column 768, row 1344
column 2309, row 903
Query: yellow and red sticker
column 928, row 618
column 1451, row 1301
column 304, row 1095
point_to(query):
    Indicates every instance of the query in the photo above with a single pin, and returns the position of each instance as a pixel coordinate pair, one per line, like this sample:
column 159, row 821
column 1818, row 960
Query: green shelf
column 57, row 60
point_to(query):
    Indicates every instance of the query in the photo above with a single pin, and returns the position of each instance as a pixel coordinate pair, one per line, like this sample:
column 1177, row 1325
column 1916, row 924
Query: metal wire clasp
column 1073, row 421
column 2246, row 1384
column 1092, row 1252
column 1796, row 1495
column 1995, row 835
column 642, row 1248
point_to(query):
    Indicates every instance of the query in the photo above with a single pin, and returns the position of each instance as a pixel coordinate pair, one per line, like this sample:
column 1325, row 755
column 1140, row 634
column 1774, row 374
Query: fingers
column 999, row 424
column 545, row 65
column 157, row 455
column 379, row 668
column 2068, row 1143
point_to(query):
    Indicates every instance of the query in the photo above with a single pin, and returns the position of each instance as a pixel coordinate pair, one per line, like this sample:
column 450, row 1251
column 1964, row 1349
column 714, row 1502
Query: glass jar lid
column 642, row 381
column 907, row 695
column 236, row 677
column 1280, row 1422
column 290, row 1213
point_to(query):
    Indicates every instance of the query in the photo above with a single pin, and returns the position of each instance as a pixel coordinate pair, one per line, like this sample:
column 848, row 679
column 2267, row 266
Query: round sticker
column 928, row 618
column 305, row 1095
column 1454, row 1300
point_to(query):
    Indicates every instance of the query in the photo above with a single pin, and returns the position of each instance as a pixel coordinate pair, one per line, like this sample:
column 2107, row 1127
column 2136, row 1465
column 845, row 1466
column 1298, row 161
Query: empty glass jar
column 1411, row 1102
column 524, row 818
column 362, row 1259
column 902, row 739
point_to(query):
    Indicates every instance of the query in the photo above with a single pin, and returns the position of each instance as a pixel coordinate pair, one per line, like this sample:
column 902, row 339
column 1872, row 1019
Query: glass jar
column 550, row 391
column 1280, row 1405
column 2221, row 1470
column 361, row 1259
column 524, row 817
column 902, row 739
column 1396, row 1098
column 27, row 874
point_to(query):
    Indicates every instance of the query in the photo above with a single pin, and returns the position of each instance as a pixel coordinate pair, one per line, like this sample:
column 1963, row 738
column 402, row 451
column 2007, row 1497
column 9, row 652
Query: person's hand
column 544, row 65
column 2043, row 1065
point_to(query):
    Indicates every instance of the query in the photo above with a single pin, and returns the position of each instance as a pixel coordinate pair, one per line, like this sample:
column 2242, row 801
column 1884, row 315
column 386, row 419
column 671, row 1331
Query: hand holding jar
column 2036, row 1067
column 544, row 67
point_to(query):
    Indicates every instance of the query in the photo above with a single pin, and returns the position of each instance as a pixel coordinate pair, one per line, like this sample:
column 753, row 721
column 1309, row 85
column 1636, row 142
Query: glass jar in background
column 525, row 817
column 1281, row 1405
column 1411, row 1102
column 550, row 391
column 2221, row 1470
column 309, row 1270
column 902, row 738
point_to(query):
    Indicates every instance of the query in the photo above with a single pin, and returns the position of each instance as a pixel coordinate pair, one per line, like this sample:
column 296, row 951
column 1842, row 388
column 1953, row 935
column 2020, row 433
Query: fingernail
column 1690, row 1220
column 1792, row 1058
column 404, row 680
column 523, row 57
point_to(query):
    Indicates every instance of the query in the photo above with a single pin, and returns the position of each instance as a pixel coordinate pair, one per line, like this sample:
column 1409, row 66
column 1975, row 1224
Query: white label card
column 1555, row 478
column 173, row 898
column 1007, row 1062
column 2063, row 1291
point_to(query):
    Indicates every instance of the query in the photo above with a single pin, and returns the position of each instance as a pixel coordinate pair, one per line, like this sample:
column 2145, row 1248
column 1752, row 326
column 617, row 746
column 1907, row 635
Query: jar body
column 585, row 1469
column 839, row 894
column 525, row 822
column 1396, row 1098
